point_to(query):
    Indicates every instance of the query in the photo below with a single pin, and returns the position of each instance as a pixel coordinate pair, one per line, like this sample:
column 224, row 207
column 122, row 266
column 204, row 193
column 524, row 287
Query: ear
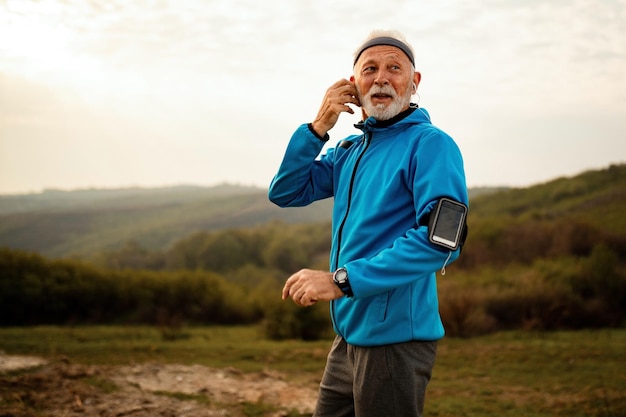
column 416, row 80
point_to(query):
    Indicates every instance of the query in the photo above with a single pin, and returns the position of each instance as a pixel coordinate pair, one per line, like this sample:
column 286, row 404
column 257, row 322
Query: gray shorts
column 381, row 381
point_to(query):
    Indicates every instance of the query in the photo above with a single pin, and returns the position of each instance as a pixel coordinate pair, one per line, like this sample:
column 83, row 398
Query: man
column 385, row 182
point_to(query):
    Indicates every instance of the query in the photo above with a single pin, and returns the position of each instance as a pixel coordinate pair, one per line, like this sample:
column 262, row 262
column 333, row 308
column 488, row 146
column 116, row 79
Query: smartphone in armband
column 447, row 223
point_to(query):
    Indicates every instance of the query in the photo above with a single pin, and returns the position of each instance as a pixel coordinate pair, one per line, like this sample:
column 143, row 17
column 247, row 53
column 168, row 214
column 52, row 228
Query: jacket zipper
column 368, row 140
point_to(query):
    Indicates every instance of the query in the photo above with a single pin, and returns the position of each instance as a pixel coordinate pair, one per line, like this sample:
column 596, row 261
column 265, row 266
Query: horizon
column 241, row 185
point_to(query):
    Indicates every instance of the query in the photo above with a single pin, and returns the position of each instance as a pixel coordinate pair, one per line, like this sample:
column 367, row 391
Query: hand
column 335, row 102
column 306, row 287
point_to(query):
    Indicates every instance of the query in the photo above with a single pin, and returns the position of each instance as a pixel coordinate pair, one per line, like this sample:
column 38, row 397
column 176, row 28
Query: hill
column 595, row 197
column 58, row 223
column 550, row 256
column 76, row 223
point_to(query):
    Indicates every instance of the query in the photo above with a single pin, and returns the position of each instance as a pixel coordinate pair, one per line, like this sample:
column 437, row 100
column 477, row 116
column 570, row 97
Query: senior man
column 387, row 182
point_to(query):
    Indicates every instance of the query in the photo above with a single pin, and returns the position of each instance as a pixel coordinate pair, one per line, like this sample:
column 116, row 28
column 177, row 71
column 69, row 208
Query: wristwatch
column 340, row 277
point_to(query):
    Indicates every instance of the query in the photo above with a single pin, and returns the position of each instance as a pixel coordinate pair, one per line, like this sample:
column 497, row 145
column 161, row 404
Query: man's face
column 384, row 79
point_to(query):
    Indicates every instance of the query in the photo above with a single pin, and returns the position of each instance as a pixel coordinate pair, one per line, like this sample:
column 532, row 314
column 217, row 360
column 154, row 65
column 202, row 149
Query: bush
column 462, row 310
column 538, row 309
column 37, row 291
column 285, row 320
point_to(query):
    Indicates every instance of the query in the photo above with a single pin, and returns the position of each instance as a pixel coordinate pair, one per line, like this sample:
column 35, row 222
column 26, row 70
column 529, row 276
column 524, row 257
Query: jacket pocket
column 383, row 304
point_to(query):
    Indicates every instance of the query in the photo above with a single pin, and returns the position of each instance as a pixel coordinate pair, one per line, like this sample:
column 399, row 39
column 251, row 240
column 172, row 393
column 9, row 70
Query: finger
column 340, row 83
column 292, row 285
column 344, row 91
column 285, row 292
column 341, row 91
column 298, row 294
column 287, row 288
column 349, row 97
column 303, row 299
column 297, row 298
column 290, row 291
column 305, row 295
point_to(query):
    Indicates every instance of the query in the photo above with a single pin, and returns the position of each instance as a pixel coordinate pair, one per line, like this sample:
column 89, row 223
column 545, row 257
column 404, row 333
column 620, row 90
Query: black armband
column 447, row 224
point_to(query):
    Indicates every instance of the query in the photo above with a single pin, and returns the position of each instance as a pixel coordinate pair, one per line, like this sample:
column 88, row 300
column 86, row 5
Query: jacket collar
column 371, row 123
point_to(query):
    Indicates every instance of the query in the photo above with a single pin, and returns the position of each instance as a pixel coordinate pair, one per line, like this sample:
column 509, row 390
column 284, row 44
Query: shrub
column 462, row 310
column 286, row 320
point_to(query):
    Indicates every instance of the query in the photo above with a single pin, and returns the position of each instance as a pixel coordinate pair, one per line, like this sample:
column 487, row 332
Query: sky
column 149, row 93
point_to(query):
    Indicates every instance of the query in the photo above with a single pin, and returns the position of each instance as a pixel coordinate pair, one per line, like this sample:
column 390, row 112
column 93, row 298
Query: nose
column 381, row 78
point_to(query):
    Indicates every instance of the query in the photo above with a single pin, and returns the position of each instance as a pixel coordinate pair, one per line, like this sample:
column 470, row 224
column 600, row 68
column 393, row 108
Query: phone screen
column 448, row 224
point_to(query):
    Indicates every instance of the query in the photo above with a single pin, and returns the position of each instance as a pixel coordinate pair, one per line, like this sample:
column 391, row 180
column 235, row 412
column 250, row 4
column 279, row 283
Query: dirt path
column 65, row 389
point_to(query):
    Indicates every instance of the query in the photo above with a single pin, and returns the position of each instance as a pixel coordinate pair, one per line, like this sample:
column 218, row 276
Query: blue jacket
column 383, row 181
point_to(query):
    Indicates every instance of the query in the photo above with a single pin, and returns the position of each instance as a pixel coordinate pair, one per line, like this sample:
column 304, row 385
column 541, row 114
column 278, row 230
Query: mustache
column 387, row 89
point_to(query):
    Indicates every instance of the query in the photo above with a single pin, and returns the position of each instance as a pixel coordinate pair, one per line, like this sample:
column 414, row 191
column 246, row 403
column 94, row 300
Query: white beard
column 382, row 111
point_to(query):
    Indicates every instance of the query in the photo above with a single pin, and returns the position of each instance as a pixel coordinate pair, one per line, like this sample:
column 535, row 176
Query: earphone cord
column 443, row 268
column 417, row 106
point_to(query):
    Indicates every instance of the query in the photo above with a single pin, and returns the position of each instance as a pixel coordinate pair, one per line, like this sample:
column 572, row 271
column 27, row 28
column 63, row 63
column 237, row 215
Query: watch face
column 341, row 276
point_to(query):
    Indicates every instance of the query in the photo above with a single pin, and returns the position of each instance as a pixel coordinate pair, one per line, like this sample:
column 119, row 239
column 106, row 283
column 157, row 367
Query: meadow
column 534, row 310
column 516, row 373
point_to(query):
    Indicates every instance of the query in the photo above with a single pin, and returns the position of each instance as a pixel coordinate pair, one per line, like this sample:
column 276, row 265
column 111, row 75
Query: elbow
column 273, row 197
column 280, row 199
column 277, row 200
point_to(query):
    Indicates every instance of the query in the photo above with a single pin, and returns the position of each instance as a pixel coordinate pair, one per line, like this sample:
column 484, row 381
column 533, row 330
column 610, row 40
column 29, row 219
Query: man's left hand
column 306, row 287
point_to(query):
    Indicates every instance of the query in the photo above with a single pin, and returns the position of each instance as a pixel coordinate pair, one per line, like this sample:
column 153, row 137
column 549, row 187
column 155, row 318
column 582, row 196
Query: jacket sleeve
column 302, row 178
column 437, row 172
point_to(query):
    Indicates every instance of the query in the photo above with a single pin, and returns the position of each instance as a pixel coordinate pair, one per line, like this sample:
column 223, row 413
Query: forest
column 551, row 256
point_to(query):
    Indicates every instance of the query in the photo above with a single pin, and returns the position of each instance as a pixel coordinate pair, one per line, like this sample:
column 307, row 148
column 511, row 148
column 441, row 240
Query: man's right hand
column 335, row 102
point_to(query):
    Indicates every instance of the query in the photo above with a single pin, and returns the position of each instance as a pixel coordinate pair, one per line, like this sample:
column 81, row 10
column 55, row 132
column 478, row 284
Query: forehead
column 383, row 53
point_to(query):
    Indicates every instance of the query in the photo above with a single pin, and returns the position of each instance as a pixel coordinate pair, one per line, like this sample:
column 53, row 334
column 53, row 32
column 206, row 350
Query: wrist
column 316, row 131
column 341, row 280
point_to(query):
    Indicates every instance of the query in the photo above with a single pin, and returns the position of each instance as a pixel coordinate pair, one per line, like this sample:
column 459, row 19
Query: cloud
column 212, row 89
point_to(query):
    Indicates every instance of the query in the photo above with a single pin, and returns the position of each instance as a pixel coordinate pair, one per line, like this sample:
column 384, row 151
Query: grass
column 241, row 347
column 531, row 374
column 505, row 374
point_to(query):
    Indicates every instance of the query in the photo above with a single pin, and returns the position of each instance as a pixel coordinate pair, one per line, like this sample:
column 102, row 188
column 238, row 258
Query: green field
column 504, row 374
